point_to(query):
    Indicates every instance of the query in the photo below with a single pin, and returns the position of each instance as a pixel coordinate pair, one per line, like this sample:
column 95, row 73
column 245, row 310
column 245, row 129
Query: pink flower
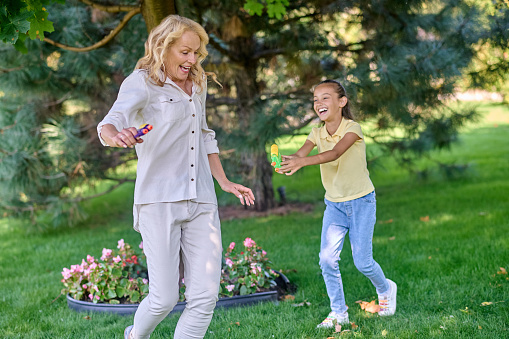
column 76, row 268
column 264, row 253
column 117, row 259
column 90, row 258
column 145, row 281
column 229, row 262
column 93, row 266
column 141, row 245
column 66, row 273
column 97, row 297
column 96, row 289
column 249, row 242
column 106, row 254
column 91, row 296
column 230, row 287
column 84, row 286
column 232, row 246
column 121, row 244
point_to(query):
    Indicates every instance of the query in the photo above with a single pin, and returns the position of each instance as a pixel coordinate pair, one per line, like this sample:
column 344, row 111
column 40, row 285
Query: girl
column 349, row 198
column 175, row 206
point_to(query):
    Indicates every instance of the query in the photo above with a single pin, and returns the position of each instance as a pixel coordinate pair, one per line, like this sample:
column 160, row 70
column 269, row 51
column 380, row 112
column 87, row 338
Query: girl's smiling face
column 327, row 103
column 181, row 56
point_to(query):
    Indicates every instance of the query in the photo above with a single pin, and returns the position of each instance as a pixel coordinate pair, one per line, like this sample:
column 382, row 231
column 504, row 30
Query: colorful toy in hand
column 144, row 129
column 275, row 157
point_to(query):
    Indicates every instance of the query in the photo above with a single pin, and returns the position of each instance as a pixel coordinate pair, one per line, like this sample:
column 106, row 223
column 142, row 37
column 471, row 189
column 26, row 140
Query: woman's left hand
column 244, row 194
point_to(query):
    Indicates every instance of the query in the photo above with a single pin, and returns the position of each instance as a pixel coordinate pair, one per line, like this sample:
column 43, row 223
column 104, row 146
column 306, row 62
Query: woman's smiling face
column 181, row 56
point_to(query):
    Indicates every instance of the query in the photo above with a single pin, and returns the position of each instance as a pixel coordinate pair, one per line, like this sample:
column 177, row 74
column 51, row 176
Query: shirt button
column 190, row 100
column 192, row 165
column 192, row 131
column 192, row 148
column 192, row 179
column 193, row 115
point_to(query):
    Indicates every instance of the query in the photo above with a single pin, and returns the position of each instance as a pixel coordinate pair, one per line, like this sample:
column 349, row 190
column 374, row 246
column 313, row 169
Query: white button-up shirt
column 172, row 161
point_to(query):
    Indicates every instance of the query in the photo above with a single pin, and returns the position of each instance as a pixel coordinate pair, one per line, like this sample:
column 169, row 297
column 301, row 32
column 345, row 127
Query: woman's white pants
column 170, row 230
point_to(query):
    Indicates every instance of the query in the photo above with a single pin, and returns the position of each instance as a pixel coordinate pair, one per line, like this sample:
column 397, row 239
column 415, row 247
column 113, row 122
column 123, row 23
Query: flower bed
column 120, row 277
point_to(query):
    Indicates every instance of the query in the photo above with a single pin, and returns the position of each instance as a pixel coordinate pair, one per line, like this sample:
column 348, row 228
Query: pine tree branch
column 110, row 8
column 8, row 70
column 285, row 51
column 104, row 41
column 112, row 188
column 214, row 101
column 218, row 46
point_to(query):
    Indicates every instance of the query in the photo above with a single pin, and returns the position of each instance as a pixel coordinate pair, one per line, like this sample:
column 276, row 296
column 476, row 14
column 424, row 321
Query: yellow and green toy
column 275, row 157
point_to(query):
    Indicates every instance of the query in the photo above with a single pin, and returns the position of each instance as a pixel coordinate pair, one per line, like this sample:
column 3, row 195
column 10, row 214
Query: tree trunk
column 154, row 11
column 262, row 182
column 255, row 163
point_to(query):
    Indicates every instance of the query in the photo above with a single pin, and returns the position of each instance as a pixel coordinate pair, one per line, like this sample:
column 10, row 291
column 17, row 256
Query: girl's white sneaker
column 332, row 319
column 388, row 302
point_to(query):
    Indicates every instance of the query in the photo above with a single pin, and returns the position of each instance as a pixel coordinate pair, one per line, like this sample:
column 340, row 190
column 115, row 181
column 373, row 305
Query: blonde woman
column 175, row 206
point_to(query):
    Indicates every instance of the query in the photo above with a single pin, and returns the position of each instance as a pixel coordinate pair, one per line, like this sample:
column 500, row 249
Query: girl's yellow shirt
column 347, row 177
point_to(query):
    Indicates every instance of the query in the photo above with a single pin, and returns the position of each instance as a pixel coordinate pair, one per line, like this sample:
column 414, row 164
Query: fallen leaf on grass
column 371, row 307
column 384, row 333
column 392, row 238
column 486, row 303
column 338, row 328
column 86, row 317
column 466, row 310
column 354, row 326
column 386, row 221
column 502, row 271
column 425, row 219
column 479, row 327
column 288, row 297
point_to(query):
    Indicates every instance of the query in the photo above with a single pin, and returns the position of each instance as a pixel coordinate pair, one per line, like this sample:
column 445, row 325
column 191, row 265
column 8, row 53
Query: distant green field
column 443, row 242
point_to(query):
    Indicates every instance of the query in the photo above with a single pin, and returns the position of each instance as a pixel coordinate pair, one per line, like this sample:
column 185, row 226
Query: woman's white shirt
column 172, row 161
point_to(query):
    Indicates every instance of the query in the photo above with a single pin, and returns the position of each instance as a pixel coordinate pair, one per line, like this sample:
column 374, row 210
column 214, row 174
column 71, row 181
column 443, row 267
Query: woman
column 175, row 206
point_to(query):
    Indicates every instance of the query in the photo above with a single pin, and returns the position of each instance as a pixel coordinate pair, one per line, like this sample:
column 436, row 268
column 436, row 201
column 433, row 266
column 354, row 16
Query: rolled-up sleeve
column 209, row 136
column 132, row 97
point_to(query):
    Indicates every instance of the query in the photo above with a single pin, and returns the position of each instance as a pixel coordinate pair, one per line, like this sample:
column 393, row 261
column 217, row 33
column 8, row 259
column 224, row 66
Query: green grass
column 445, row 267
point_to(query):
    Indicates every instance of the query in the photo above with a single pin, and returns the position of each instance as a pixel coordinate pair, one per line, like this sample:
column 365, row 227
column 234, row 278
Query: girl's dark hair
column 340, row 90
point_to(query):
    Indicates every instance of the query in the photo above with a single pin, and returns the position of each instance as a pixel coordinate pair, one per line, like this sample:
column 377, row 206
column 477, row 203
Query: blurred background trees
column 399, row 61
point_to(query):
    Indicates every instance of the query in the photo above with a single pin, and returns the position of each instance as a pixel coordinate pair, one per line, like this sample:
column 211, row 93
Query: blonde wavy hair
column 159, row 41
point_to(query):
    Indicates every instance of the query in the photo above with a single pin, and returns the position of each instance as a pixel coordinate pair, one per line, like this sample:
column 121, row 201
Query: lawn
column 443, row 242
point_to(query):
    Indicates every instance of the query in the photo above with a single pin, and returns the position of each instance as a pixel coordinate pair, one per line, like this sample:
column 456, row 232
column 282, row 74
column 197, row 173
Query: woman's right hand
column 124, row 138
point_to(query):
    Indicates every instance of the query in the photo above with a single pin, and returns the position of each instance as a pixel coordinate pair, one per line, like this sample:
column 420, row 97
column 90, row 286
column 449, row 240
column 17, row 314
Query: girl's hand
column 291, row 164
column 125, row 138
column 244, row 194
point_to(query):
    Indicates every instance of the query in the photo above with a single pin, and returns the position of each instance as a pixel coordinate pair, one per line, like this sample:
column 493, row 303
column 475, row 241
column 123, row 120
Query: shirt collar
column 172, row 83
column 325, row 135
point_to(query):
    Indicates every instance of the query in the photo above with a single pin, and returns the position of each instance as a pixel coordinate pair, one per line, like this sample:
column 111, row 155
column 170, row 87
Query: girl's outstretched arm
column 302, row 152
column 293, row 163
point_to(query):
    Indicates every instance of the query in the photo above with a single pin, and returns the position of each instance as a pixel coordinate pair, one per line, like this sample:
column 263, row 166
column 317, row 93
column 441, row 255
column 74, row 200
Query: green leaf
column 111, row 294
column 253, row 7
column 20, row 44
column 114, row 302
column 135, row 296
column 243, row 290
column 120, row 291
column 40, row 24
column 116, row 273
column 276, row 10
column 10, row 29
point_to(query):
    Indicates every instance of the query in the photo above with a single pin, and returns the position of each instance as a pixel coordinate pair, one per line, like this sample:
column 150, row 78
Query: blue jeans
column 357, row 216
